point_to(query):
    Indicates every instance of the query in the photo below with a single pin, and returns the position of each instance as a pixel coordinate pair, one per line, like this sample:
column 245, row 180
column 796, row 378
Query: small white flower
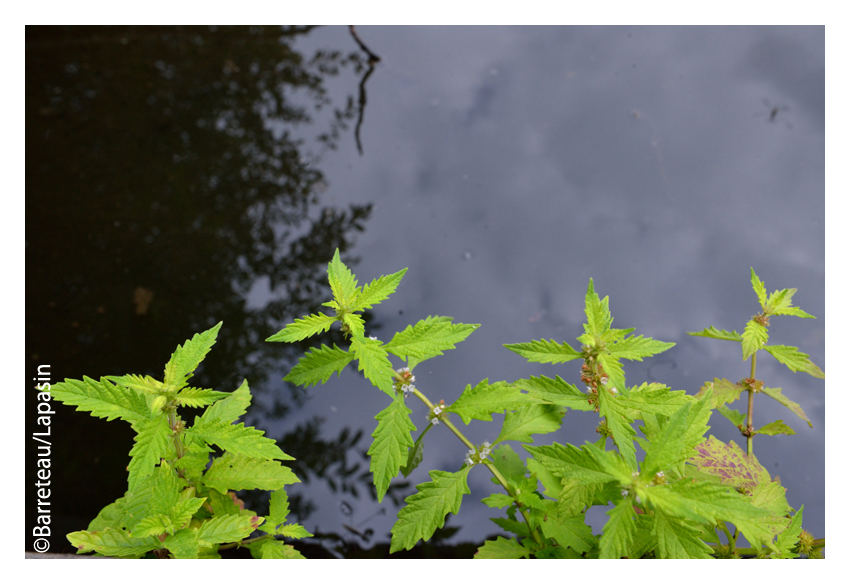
column 614, row 390
column 660, row 474
column 468, row 461
column 637, row 499
column 434, row 421
column 635, row 475
column 438, row 410
column 604, row 380
column 589, row 389
column 624, row 493
column 373, row 338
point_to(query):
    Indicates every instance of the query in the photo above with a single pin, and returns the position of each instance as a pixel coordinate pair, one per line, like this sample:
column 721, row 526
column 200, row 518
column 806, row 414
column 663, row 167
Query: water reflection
column 168, row 170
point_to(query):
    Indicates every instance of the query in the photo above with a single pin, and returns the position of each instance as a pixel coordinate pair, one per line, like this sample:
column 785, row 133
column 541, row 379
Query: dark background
column 176, row 177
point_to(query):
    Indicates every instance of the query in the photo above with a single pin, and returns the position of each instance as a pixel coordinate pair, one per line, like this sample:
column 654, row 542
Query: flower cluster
column 434, row 415
column 405, row 383
column 477, row 456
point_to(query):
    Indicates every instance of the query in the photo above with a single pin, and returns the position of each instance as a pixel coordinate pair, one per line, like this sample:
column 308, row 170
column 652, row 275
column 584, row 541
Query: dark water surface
column 181, row 176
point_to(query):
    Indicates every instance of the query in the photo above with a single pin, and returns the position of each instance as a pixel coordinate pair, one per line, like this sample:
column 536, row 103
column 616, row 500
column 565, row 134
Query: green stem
column 489, row 464
column 750, row 407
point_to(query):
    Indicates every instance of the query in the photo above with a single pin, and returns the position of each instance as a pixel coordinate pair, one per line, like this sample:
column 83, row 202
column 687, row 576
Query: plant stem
column 750, row 407
column 489, row 464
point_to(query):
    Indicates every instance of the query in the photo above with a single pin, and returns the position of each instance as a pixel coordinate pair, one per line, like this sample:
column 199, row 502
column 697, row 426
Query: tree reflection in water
column 165, row 160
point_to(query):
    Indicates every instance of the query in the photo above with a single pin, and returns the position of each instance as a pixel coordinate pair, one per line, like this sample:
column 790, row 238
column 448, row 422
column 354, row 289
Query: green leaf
column 234, row 472
column 519, row 425
column 194, row 397
column 794, row 359
column 103, row 399
column 312, row 324
column 780, row 301
column 568, row 461
column 634, row 348
column 228, row 528
column 342, row 281
column 231, row 407
column 237, row 439
column 392, row 440
column 274, row 549
column 483, row 400
column 146, row 384
column 317, row 365
column 426, row 510
column 723, row 391
column 373, row 362
column 653, row 399
column 573, row 496
column 554, row 391
column 278, row 509
column 703, row 502
column 774, row 428
column 570, row 532
column 355, row 324
column 113, row 542
column 759, row 288
column 545, row 351
column 619, row 531
column 733, row 416
column 598, row 316
column 665, row 450
column 776, row 393
column 187, row 357
column 183, row 545
column 760, row 531
column 788, row 539
column 616, row 416
column 414, row 455
column 755, row 336
column 501, row 549
column 677, row 539
column 723, row 335
column 294, row 531
column 428, row 338
column 378, row 290
column 509, row 464
column 151, row 445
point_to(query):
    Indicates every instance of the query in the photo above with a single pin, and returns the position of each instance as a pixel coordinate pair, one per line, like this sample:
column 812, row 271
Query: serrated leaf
column 102, row 399
column 770, row 495
column 145, row 384
column 759, row 288
column 113, row 542
column 665, row 450
column 378, row 290
column 373, row 362
column 483, row 400
column 188, row 356
column 788, row 539
column 426, row 510
column 653, row 400
column 723, row 391
column 414, row 455
column 278, row 508
column 234, row 472
column 508, row 463
column 730, row 463
column 498, row 500
column 570, row 532
column 355, row 324
column 183, row 545
column 231, row 407
column 634, row 348
column 792, row 311
column 274, row 549
column 598, row 316
column 794, row 359
column 342, row 281
column 703, row 502
column 228, row 528
column 512, row 526
column 774, row 428
column 776, row 393
column 619, row 531
column 193, row 397
column 616, row 416
column 428, row 338
column 520, row 424
column 614, row 370
column 388, row 451
column 543, row 351
column 678, row 540
column 312, row 324
column 755, row 336
column 501, row 549
column 238, row 439
column 761, row 530
column 732, row 415
column 554, row 391
column 780, row 300
column 318, row 364
column 294, row 531
column 571, row 462
column 573, row 496
column 723, row 335
column 151, row 445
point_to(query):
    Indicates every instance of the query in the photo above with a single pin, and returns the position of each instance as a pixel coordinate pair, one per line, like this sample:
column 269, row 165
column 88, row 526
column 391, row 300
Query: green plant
column 674, row 503
column 177, row 504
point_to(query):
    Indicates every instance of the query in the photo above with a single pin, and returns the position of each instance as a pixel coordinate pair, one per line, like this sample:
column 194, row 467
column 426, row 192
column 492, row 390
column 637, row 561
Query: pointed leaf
column 227, row 529
column 428, row 338
column 616, row 416
column 236, row 472
column 187, row 357
column 776, row 393
column 678, row 540
column 483, row 400
column 373, row 362
column 342, row 281
column 312, row 324
column 619, row 531
column 665, row 450
column 543, row 351
column 759, row 288
column 113, row 542
column 193, row 397
column 598, row 316
column 501, row 549
column 103, row 399
column 237, row 439
column 723, row 335
column 554, row 391
column 151, row 445
column 724, row 391
column 388, row 451
column 427, row 509
column 531, row 419
column 231, row 407
column 634, row 348
column 755, row 336
column 318, row 364
column 774, row 428
column 378, row 290
column 794, row 359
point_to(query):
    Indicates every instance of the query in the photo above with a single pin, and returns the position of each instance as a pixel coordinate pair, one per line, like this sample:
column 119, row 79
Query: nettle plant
column 181, row 501
column 677, row 502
